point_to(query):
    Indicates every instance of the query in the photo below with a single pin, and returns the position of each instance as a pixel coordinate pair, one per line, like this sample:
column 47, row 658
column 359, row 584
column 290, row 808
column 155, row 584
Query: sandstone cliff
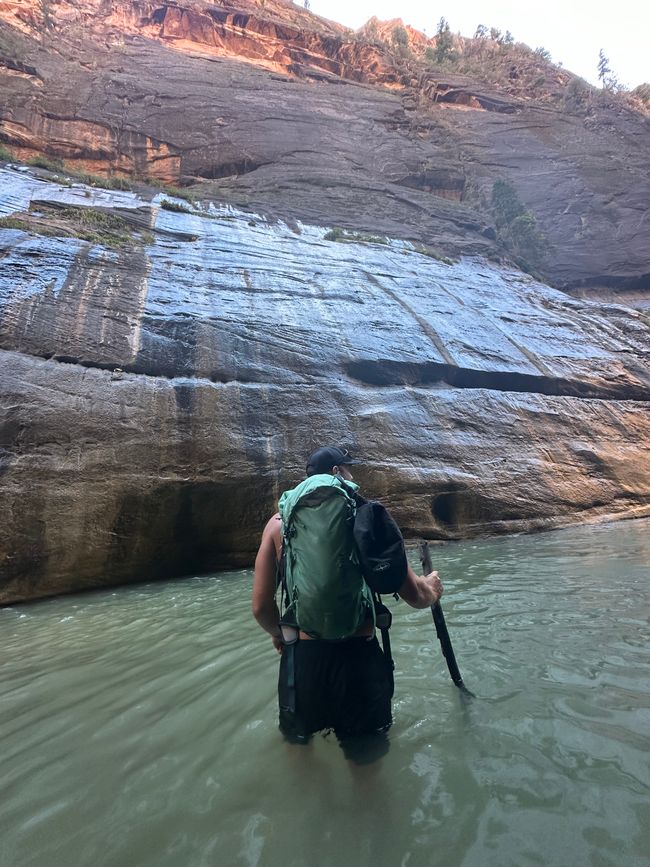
column 165, row 366
column 270, row 107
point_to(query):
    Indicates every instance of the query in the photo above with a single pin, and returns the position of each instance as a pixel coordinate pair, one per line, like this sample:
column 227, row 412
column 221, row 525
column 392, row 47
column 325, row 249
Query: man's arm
column 265, row 609
column 421, row 591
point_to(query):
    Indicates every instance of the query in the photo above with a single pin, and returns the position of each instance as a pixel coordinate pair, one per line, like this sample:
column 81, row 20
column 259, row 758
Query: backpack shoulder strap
column 353, row 494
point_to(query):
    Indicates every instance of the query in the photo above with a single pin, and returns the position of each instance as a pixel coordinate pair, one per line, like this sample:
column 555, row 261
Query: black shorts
column 346, row 686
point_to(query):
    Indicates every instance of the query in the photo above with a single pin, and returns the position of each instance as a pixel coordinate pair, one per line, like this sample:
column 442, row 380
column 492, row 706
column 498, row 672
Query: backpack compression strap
column 384, row 619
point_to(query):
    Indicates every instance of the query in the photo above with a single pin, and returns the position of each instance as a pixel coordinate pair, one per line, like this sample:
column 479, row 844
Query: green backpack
column 326, row 594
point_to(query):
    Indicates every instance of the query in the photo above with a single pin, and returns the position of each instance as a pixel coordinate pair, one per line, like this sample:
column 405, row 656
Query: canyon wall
column 343, row 274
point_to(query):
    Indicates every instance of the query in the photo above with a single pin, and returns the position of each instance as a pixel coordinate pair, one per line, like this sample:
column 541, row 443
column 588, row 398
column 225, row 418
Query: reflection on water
column 139, row 726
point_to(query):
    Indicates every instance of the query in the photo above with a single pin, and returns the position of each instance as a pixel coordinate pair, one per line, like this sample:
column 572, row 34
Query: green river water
column 139, row 724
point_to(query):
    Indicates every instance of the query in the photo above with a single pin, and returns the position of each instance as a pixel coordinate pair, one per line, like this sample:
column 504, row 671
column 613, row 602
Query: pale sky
column 574, row 32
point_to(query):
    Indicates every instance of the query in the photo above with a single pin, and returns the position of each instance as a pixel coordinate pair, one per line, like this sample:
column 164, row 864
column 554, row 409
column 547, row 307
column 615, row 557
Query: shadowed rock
column 295, row 116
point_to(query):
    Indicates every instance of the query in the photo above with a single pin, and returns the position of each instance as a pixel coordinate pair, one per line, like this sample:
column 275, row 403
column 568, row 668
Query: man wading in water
column 333, row 674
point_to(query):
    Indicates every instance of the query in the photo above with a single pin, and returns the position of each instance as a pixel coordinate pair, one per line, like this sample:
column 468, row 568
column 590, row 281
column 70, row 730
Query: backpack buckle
column 383, row 616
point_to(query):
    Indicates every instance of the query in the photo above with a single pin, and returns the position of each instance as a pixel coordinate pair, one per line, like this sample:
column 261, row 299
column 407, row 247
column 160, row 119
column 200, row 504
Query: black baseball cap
column 322, row 460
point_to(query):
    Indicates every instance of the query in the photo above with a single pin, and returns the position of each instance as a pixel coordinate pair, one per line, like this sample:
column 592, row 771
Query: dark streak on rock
column 385, row 372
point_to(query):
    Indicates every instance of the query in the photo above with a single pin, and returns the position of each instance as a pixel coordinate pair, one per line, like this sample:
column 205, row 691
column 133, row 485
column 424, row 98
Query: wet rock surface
column 158, row 395
column 164, row 369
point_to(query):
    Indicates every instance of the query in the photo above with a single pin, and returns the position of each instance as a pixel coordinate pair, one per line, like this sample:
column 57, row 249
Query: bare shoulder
column 273, row 527
column 272, row 535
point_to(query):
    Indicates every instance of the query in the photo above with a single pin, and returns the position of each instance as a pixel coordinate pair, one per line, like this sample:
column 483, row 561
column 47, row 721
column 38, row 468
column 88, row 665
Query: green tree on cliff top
column 605, row 74
column 444, row 42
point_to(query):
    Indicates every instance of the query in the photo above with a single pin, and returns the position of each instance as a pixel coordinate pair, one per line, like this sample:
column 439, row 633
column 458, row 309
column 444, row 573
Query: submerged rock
column 157, row 395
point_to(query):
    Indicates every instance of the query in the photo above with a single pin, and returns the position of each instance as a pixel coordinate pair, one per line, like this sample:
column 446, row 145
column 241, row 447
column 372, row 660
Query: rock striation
column 342, row 275
column 157, row 396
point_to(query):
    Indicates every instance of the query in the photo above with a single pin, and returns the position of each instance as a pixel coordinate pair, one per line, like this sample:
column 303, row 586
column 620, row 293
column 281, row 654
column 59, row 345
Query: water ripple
column 139, row 726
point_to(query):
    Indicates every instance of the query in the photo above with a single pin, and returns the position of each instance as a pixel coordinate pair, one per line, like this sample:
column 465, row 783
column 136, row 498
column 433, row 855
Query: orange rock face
column 284, row 108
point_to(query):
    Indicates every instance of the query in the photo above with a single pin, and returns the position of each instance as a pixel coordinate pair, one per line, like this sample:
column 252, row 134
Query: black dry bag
column 380, row 547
